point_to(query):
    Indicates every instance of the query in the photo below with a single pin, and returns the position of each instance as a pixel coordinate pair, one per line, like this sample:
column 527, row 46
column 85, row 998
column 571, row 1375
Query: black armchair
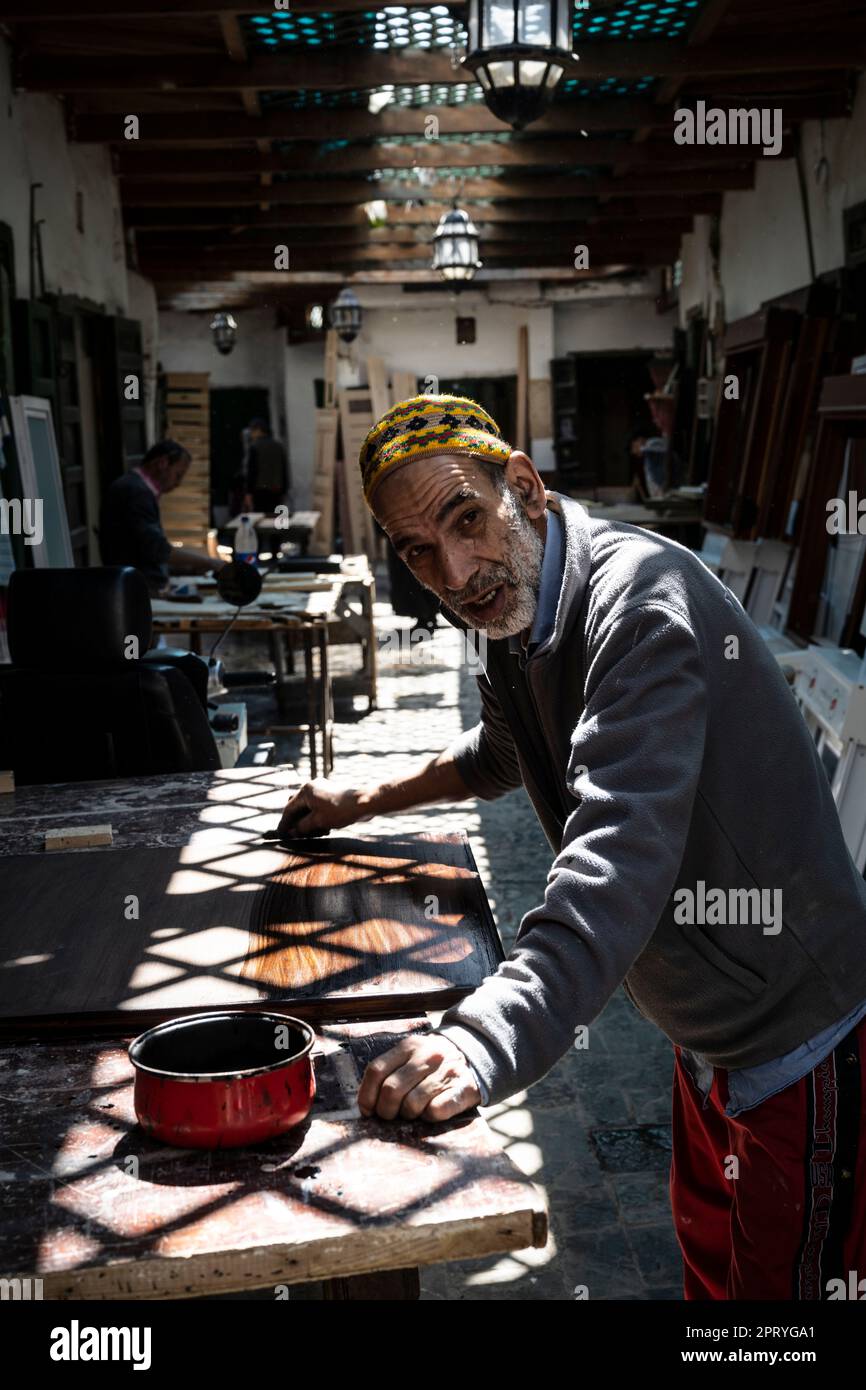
column 83, row 698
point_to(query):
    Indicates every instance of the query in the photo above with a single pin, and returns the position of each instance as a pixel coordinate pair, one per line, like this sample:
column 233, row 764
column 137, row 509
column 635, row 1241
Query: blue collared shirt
column 750, row 1086
column 550, row 584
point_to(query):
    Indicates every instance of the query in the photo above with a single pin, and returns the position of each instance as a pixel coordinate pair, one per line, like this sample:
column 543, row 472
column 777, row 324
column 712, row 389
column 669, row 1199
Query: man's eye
column 468, row 517
column 415, row 552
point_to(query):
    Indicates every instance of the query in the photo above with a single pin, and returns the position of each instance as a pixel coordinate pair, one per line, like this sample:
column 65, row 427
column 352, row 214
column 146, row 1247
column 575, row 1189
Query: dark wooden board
column 97, row 1210
column 149, row 811
column 337, row 927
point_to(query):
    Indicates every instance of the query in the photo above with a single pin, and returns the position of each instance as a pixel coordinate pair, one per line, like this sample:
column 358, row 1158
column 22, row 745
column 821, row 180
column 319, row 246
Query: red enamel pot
column 220, row 1080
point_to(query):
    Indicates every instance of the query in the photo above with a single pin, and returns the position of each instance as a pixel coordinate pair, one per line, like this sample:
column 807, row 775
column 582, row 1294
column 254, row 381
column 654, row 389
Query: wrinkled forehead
column 424, row 492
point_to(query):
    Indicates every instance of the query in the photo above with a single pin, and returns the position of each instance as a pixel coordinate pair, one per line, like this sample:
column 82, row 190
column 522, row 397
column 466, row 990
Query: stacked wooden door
column 185, row 512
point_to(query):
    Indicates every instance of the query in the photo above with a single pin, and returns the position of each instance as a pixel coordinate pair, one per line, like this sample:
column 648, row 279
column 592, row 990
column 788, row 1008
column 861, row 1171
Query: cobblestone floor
column 595, row 1133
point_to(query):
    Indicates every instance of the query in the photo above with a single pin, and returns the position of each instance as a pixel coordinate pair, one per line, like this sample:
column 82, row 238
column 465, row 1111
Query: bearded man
column 627, row 690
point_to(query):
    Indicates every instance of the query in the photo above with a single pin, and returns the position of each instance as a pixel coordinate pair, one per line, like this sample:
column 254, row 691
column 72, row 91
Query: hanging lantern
column 225, row 331
column 518, row 51
column 455, row 246
column 345, row 315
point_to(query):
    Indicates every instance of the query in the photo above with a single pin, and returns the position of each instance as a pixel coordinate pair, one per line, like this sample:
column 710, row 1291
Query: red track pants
column 790, row 1214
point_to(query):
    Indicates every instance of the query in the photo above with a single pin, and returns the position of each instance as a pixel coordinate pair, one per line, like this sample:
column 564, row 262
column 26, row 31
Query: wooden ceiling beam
column 530, row 267
column 314, row 258
column 75, row 10
column 222, row 129
column 136, row 166
column 305, row 192
column 354, row 218
column 254, row 239
column 319, row 287
column 236, row 49
column 351, row 123
column 708, row 18
column 345, row 68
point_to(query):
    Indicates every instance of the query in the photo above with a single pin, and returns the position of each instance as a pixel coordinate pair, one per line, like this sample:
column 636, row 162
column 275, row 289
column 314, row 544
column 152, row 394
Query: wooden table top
column 167, row 810
column 97, row 1210
column 278, row 605
column 331, row 927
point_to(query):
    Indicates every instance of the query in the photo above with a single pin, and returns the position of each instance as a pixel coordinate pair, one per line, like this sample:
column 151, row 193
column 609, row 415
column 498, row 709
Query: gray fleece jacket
column 666, row 756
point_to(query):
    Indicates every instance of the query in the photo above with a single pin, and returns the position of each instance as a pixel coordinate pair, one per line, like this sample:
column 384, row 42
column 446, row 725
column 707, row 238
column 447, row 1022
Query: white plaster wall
column 186, row 345
column 763, row 239
column 615, row 325
column 34, row 149
column 418, row 333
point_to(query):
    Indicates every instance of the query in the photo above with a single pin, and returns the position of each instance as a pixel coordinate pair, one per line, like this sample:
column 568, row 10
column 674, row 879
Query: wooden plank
column 163, row 810
column 231, row 193
column 528, row 154
column 377, row 380
column 324, row 479
column 188, row 381
column 224, row 921
column 330, row 368
column 356, row 418
column 521, row 432
column 337, row 1197
column 185, row 512
column 234, row 127
column 330, row 70
column 540, row 409
column 167, row 9
column 404, row 385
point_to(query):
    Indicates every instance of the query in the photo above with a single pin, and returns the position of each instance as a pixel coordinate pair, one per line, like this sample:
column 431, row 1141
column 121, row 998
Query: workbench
column 96, row 1210
column 92, row 1207
column 287, row 611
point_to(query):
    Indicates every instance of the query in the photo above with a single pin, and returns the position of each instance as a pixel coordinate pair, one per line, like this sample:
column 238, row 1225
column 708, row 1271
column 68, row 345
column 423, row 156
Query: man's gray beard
column 525, row 560
column 526, row 554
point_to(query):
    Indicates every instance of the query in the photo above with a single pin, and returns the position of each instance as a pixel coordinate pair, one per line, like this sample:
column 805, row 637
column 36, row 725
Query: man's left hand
column 425, row 1077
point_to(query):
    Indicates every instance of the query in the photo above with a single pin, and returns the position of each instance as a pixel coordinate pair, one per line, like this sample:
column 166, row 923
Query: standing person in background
column 268, row 479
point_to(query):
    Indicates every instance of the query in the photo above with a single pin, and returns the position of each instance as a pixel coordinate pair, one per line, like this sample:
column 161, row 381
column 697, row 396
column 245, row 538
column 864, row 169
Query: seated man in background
column 130, row 530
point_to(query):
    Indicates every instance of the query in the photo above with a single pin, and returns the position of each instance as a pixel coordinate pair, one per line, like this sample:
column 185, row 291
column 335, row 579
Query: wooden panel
column 227, row 921
column 324, row 479
column 842, row 418
column 521, row 433
column 336, row 1197
column 185, row 513
column 404, row 385
column 758, row 351
column 356, row 418
column 540, row 409
column 190, row 381
column 330, row 368
column 377, row 379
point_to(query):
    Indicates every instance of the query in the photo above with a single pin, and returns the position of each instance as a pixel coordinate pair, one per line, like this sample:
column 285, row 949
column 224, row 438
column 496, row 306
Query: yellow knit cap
column 426, row 425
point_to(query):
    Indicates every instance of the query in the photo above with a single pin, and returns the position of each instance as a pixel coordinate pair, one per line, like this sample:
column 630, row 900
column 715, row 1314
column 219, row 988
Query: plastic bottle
column 246, row 542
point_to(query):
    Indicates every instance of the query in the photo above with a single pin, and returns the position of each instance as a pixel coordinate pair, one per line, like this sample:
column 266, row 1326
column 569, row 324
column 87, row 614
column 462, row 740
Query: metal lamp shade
column 518, row 51
column 225, row 331
column 455, row 246
column 345, row 315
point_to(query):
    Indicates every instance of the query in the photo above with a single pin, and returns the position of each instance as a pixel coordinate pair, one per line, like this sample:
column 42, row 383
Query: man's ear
column 522, row 475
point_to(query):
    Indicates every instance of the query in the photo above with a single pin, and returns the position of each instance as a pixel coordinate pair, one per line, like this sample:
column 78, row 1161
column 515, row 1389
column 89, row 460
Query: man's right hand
column 318, row 807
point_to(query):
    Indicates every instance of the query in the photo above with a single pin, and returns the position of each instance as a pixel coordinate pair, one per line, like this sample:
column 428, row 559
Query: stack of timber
column 185, row 513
